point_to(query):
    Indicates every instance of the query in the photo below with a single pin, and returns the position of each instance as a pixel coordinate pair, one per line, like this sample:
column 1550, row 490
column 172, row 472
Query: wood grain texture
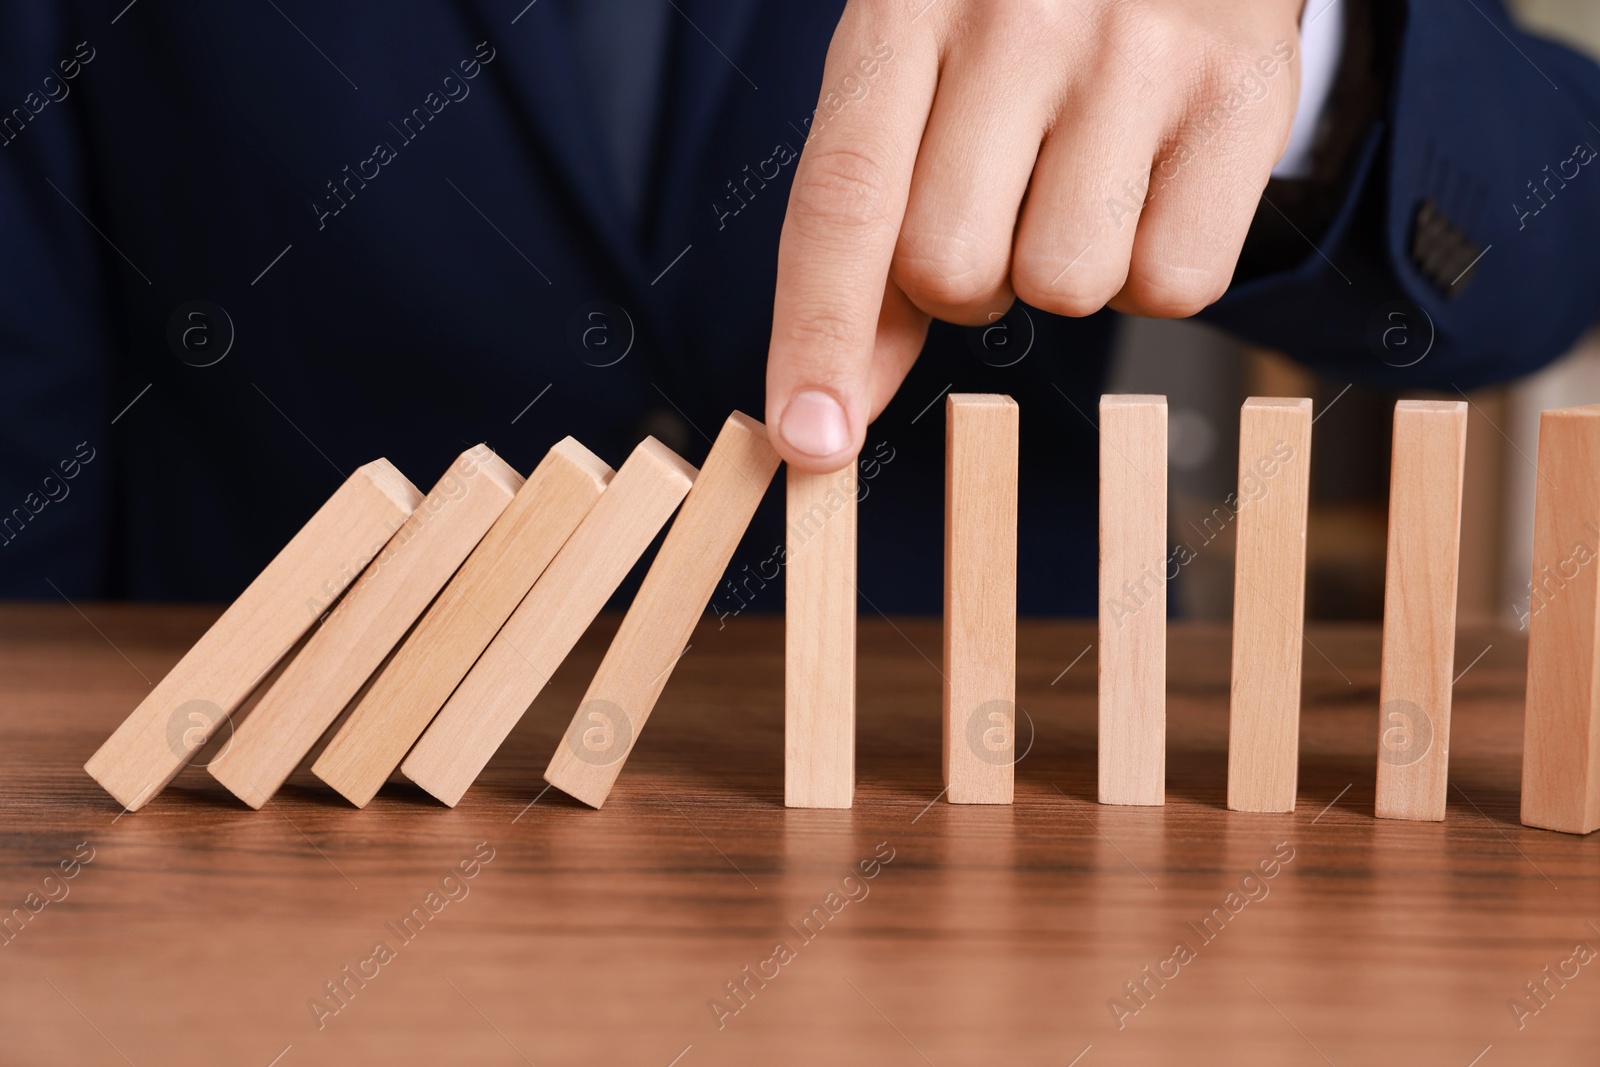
column 389, row 717
column 1561, row 739
column 1427, row 468
column 1133, row 599
column 273, row 613
column 518, row 663
column 364, row 627
column 656, row 629
column 1269, row 592
column 980, row 598
column 997, row 934
column 819, row 678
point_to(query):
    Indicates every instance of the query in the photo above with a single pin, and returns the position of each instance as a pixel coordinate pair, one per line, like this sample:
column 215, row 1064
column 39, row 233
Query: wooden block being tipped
column 439, row 651
column 256, row 631
column 1419, row 608
column 352, row 642
column 1561, row 726
column 273, row 613
column 1133, row 600
column 819, row 640
column 980, row 598
column 1269, row 593
column 656, row 629
column 492, row 698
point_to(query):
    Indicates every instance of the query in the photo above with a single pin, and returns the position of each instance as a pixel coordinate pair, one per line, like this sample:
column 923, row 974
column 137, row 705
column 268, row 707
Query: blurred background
column 1206, row 376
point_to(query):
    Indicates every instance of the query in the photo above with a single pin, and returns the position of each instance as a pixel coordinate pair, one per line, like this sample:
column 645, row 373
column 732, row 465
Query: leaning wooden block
column 672, row 598
column 492, row 698
column 1133, row 599
column 819, row 640
column 353, row 641
column 1419, row 608
column 215, row 676
column 437, row 654
column 1269, row 587
column 980, row 598
column 1561, row 726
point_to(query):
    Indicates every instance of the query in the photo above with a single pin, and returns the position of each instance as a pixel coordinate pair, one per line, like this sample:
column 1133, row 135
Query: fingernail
column 815, row 424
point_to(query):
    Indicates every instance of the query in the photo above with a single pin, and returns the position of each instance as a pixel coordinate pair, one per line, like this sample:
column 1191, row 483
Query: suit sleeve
column 1464, row 251
column 54, row 352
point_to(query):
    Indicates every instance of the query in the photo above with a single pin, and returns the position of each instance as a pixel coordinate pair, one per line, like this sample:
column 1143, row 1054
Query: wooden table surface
column 201, row 932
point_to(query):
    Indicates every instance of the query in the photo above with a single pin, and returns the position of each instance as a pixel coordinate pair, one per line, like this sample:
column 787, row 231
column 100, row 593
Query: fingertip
column 813, row 432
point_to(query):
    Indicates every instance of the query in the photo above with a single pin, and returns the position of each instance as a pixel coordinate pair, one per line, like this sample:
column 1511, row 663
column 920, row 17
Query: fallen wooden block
column 1561, row 726
column 273, row 613
column 1133, row 600
column 656, row 629
column 352, row 642
column 492, row 698
column 819, row 640
column 1269, row 589
column 980, row 598
column 1419, row 608
column 439, row 651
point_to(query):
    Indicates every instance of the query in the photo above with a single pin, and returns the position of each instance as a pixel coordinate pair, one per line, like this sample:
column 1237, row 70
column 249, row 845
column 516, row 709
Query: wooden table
column 200, row 932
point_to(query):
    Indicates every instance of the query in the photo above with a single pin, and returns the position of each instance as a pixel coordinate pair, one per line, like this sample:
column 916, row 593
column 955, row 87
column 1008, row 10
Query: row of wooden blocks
column 412, row 632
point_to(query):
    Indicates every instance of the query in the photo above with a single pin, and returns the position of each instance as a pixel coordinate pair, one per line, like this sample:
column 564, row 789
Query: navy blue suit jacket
column 406, row 218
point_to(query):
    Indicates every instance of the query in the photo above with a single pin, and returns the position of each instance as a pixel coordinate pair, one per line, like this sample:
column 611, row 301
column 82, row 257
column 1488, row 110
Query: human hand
column 1075, row 153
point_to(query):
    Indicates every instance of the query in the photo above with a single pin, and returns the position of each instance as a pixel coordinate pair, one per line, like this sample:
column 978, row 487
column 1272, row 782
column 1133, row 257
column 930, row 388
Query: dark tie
column 622, row 46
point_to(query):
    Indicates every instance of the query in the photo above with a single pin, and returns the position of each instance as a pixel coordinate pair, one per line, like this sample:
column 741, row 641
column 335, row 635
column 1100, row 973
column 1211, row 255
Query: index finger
column 839, row 234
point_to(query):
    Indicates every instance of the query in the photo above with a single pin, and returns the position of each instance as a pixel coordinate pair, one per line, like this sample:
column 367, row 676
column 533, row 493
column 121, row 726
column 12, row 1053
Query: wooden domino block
column 498, row 689
column 1133, row 599
column 352, row 642
column 388, row 718
column 819, row 640
column 656, row 629
column 980, row 598
column 1419, row 608
column 1269, row 592
column 1561, row 726
column 273, row 613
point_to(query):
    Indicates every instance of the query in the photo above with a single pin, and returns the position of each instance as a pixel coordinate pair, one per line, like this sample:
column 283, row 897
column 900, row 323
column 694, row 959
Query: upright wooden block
column 1269, row 592
column 365, row 626
column 1419, row 608
column 980, row 598
column 1561, row 726
column 662, row 616
column 437, row 654
column 498, row 689
column 1133, row 599
column 215, row 676
column 819, row 640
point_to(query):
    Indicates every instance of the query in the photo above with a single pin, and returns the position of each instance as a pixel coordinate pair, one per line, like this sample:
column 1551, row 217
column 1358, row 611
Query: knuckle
column 1139, row 34
column 1174, row 292
column 950, row 269
column 1040, row 281
column 839, row 186
column 821, row 326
